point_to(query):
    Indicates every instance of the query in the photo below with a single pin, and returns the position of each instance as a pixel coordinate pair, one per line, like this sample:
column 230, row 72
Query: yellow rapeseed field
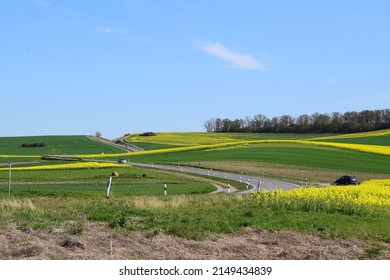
column 370, row 198
column 77, row 165
column 376, row 133
column 19, row 156
column 187, row 139
column 376, row 149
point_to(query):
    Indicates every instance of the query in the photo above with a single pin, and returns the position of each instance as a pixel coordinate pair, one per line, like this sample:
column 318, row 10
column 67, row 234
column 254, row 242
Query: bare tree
column 209, row 125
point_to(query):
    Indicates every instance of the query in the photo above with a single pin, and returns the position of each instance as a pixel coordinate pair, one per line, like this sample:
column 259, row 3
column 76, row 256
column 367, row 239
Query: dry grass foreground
column 96, row 243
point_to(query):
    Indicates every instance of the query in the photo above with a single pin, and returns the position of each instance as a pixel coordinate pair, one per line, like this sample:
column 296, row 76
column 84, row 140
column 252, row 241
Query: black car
column 346, row 180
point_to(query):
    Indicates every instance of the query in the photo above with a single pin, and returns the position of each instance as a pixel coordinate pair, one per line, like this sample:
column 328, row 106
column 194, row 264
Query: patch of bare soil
column 97, row 242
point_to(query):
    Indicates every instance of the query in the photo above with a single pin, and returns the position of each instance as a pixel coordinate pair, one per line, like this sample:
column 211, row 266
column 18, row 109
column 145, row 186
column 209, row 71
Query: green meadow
column 290, row 154
column 74, row 145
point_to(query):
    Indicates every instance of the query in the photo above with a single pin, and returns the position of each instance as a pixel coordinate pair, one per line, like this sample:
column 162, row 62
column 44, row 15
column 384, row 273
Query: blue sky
column 126, row 66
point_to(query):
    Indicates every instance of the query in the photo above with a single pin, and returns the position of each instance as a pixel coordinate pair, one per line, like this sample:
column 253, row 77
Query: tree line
column 335, row 122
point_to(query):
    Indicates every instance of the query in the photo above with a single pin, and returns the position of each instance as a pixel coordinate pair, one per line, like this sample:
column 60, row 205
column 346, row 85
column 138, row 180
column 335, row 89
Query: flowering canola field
column 375, row 149
column 65, row 166
column 384, row 132
column 370, row 198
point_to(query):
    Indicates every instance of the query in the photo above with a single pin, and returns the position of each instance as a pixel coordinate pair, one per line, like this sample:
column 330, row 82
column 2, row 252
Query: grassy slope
column 91, row 183
column 291, row 154
column 77, row 144
column 184, row 216
column 10, row 147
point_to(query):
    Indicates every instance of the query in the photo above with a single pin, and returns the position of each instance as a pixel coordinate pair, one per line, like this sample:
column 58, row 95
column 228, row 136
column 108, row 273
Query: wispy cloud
column 104, row 29
column 236, row 60
column 121, row 32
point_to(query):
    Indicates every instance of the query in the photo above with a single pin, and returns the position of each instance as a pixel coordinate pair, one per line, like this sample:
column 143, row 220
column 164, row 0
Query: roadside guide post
column 9, row 177
column 165, row 189
column 259, row 186
column 108, row 187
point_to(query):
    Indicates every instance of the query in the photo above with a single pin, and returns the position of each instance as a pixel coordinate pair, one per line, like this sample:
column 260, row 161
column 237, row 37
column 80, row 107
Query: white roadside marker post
column 108, row 187
column 9, row 177
column 259, row 186
column 165, row 189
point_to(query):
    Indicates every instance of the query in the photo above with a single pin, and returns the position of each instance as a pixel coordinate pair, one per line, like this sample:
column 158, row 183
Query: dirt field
column 98, row 243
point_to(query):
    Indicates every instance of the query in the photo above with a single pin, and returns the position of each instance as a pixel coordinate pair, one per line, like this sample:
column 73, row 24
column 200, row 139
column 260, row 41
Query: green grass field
column 195, row 217
column 64, row 145
column 91, row 183
column 290, row 154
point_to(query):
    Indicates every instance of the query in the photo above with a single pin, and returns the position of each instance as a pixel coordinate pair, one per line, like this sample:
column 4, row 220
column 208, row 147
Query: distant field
column 283, row 153
column 321, row 152
column 381, row 137
column 74, row 145
column 377, row 140
column 176, row 139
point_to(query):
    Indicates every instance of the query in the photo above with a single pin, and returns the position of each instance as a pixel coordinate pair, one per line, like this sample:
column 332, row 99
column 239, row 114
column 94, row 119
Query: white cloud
column 236, row 60
column 121, row 32
column 104, row 29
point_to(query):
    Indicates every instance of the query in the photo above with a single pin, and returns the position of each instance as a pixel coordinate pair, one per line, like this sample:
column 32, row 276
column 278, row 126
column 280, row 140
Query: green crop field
column 92, row 184
column 74, row 145
column 290, row 154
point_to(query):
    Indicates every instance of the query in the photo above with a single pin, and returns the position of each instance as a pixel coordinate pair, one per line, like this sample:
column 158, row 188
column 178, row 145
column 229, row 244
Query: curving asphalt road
column 118, row 143
column 254, row 183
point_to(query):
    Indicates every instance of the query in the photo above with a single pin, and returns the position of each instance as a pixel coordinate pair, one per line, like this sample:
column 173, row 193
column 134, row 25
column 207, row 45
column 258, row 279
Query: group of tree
column 33, row 145
column 335, row 122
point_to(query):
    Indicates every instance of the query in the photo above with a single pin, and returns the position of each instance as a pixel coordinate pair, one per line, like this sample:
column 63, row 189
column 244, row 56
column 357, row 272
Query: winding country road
column 254, row 183
column 118, row 143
